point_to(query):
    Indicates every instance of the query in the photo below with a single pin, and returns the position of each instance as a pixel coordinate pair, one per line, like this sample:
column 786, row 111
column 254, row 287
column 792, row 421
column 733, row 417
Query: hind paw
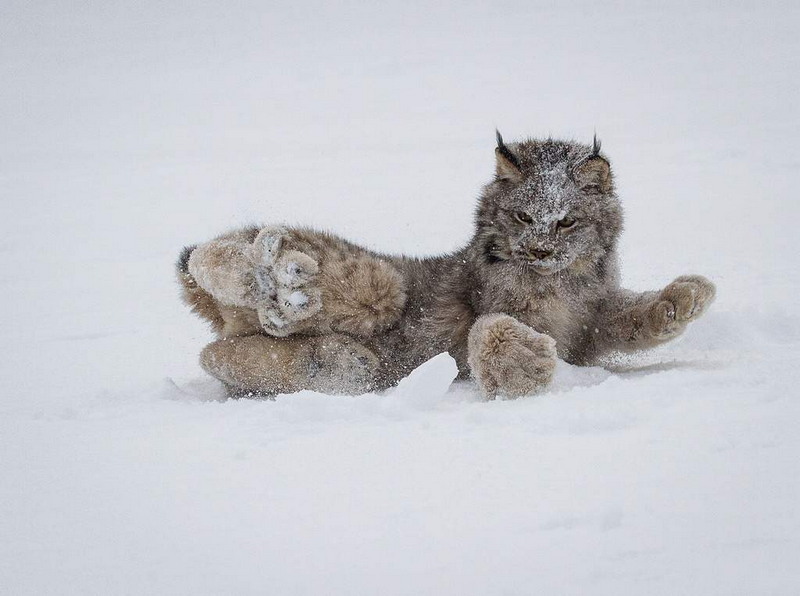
column 283, row 284
column 341, row 365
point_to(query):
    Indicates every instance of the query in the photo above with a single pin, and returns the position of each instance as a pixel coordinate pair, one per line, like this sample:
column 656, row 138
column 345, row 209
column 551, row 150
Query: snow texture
column 132, row 129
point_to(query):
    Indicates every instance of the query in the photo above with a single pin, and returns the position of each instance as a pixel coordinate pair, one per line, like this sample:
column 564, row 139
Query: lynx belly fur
column 296, row 308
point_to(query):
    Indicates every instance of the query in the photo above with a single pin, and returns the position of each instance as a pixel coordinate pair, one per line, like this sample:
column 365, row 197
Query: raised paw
column 681, row 302
column 509, row 358
column 284, row 288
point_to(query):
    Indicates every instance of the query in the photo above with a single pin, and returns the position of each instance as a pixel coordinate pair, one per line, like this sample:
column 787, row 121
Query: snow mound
column 428, row 383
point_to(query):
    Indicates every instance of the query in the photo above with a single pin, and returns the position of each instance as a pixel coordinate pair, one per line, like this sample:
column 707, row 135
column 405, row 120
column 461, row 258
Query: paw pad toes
column 294, row 269
column 296, row 305
column 297, row 299
column 268, row 243
column 281, row 282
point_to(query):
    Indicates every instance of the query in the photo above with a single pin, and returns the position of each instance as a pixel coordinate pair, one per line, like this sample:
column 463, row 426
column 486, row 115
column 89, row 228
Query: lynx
column 296, row 308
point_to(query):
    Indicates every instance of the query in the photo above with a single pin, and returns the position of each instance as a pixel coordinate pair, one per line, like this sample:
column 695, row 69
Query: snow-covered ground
column 128, row 130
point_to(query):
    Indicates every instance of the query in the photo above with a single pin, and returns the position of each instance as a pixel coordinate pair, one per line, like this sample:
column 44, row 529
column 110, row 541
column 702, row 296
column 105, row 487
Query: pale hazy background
column 130, row 129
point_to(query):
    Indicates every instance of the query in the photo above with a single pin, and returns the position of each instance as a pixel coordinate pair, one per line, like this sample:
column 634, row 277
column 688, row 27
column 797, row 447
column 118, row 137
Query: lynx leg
column 259, row 274
column 509, row 358
column 631, row 321
column 326, row 284
column 262, row 365
column 361, row 294
column 293, row 281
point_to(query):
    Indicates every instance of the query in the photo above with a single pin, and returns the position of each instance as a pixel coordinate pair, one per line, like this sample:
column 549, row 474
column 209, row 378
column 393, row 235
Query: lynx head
column 551, row 206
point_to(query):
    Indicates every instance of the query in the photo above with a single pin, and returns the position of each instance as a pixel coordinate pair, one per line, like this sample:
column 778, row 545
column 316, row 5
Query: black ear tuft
column 596, row 144
column 504, row 152
column 594, row 169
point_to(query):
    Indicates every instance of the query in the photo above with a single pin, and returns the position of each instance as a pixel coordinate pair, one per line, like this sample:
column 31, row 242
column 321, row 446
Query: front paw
column 509, row 358
column 681, row 302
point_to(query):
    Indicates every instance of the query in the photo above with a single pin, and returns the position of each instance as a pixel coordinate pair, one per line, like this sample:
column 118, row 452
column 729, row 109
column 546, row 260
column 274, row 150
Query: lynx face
column 551, row 205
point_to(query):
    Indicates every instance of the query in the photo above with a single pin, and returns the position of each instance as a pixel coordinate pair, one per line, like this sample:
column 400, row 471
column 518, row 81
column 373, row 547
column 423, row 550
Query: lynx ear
column 594, row 170
column 507, row 165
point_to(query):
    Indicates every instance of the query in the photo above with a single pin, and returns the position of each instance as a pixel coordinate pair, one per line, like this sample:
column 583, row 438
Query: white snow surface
column 130, row 129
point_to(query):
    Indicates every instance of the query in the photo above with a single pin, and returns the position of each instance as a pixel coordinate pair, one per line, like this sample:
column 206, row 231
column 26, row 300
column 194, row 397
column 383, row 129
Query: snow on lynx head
column 550, row 207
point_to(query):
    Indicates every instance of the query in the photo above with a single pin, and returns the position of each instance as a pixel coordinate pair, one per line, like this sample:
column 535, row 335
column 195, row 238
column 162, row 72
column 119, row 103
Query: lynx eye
column 566, row 222
column 523, row 217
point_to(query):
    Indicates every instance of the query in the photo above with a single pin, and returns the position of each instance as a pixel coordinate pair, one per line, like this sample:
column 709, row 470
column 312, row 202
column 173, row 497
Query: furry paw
column 282, row 284
column 681, row 302
column 341, row 365
column 509, row 358
column 264, row 276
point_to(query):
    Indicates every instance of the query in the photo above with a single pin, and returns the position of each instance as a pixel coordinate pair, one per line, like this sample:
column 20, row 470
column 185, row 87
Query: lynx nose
column 541, row 253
